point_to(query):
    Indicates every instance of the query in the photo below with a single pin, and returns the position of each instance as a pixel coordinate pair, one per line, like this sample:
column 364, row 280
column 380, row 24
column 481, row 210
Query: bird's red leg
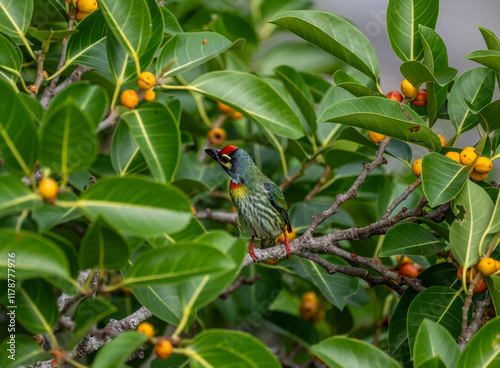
column 287, row 244
column 251, row 248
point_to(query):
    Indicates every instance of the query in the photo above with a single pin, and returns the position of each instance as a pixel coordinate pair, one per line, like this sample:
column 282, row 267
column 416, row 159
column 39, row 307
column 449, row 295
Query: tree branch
column 477, row 322
column 241, row 281
column 317, row 187
column 109, row 121
column 402, row 197
column 220, row 216
column 295, row 176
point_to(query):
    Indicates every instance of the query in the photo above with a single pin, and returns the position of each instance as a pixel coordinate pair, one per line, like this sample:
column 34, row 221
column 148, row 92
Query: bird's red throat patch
column 234, row 186
column 228, row 150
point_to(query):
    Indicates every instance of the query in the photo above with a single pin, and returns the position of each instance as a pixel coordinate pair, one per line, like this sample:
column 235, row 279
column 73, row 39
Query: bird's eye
column 225, row 159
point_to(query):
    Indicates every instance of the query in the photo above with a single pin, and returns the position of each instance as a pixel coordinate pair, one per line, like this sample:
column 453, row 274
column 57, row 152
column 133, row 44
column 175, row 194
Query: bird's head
column 234, row 160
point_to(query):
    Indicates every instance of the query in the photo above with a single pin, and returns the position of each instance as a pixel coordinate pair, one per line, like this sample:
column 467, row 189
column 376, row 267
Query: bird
column 259, row 202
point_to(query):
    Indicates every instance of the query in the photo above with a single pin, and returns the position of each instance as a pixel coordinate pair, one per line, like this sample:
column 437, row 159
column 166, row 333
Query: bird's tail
column 267, row 243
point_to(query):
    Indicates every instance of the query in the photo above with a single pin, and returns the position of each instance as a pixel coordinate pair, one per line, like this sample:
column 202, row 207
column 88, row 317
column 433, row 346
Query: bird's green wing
column 277, row 200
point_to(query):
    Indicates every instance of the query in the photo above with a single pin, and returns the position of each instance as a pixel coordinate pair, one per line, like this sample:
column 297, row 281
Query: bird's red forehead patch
column 228, row 150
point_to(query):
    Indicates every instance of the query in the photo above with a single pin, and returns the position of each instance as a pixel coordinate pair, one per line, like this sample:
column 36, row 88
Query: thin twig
column 241, row 281
column 477, row 321
column 220, row 216
column 402, row 197
column 318, row 185
column 289, row 180
column 109, row 121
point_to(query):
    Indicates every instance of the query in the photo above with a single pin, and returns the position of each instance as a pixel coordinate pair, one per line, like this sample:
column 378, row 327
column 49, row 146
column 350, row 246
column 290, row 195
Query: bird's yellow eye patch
column 225, row 160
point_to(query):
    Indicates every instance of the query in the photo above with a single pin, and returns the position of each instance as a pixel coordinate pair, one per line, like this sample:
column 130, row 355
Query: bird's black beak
column 214, row 153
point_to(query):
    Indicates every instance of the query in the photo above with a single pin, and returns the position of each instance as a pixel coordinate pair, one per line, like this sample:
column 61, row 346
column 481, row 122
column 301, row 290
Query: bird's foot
column 251, row 250
column 287, row 244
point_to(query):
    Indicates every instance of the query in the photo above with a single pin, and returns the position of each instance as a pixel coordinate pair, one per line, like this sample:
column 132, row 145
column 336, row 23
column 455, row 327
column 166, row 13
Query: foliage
column 142, row 226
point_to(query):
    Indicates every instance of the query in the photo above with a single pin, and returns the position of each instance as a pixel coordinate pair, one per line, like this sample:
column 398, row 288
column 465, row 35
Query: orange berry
column 417, row 167
column 460, row 272
column 224, row 108
column 480, row 287
column 146, row 328
column 309, row 305
column 193, row 210
column 271, row 261
column 376, row 137
column 129, row 98
column 403, row 260
column 146, row 80
column 455, row 156
column 236, row 115
column 467, row 155
column 149, row 95
column 48, row 189
column 233, row 209
column 483, row 165
column 487, row 266
column 395, row 95
column 443, row 141
column 290, row 234
column 408, row 270
column 477, row 176
column 163, row 349
column 80, row 15
column 407, row 88
column 87, row 6
column 320, row 315
column 216, row 136
column 421, row 99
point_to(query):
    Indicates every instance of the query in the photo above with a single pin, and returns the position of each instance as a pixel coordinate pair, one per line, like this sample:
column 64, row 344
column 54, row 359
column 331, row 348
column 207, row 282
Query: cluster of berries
column 486, row 267
column 84, row 7
column 146, row 81
column 163, row 347
column 482, row 167
column 217, row 135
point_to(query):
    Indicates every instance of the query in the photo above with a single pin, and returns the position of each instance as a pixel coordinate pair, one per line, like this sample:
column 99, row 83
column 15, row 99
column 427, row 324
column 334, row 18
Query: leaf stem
column 281, row 152
column 189, row 307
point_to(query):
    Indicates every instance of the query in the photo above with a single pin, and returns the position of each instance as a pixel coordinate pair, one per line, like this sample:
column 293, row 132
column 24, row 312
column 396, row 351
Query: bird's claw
column 287, row 245
column 251, row 250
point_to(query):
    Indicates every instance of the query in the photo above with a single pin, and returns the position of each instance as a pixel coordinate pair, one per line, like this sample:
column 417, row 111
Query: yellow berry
column 290, row 234
column 129, row 98
column 455, row 156
column 407, row 88
column 483, row 165
column 236, row 115
column 467, row 155
column 309, row 305
column 163, row 349
column 376, row 137
column 193, row 210
column 271, row 261
column 443, row 141
column 80, row 15
column 403, row 260
column 417, row 167
column 87, row 6
column 149, row 95
column 497, row 263
column 487, row 266
column 224, row 108
column 48, row 189
column 216, row 136
column 146, row 80
column 477, row 176
column 146, row 328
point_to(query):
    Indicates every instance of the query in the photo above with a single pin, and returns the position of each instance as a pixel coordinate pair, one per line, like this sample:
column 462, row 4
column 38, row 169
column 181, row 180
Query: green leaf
column 403, row 20
column 51, row 35
column 473, row 208
column 156, row 37
column 482, row 351
column 474, row 86
column 253, row 97
column 11, row 57
column 126, row 156
column 493, row 283
column 103, row 247
column 121, row 65
column 351, row 85
column 89, row 312
column 417, row 73
column 27, row 352
column 438, row 304
column 336, row 288
column 15, row 196
column 215, row 348
column 178, row 264
column 36, row 306
column 384, row 116
column 34, row 107
column 432, row 341
column 334, row 35
column 15, row 17
column 130, row 21
column 88, row 46
column 156, row 133
column 170, row 302
column 50, row 215
column 136, row 206
column 488, row 58
column 68, row 142
column 435, row 362
column 35, row 256
column 411, row 239
column 300, row 93
column 171, row 25
column 18, row 135
column 90, row 98
column 442, row 178
column 488, row 116
column 190, row 50
column 338, row 352
column 116, row 352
